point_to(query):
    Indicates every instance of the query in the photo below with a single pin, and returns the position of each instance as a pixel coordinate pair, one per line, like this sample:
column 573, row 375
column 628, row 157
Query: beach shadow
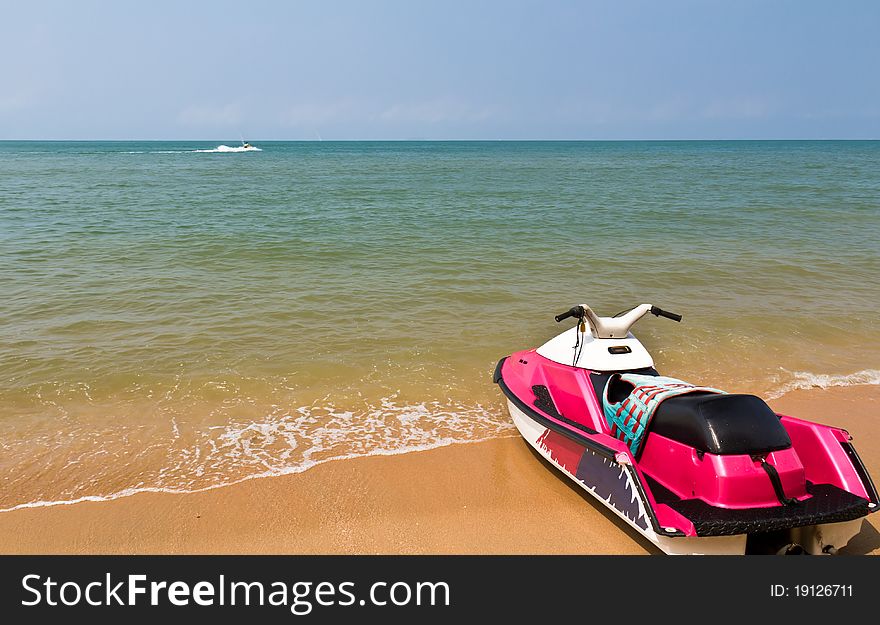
column 650, row 547
column 864, row 542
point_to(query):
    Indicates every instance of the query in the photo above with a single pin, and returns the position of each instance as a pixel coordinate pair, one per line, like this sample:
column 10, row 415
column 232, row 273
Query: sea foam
column 289, row 442
column 806, row 380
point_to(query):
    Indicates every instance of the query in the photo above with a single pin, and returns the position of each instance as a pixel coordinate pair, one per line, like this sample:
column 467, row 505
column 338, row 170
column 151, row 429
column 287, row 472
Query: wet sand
column 492, row 497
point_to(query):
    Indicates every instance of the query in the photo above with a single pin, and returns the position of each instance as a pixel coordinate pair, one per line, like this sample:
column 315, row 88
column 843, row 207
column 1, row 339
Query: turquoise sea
column 175, row 317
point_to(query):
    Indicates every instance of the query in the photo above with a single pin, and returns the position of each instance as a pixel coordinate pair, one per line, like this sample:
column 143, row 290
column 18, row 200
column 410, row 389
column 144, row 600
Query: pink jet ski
column 694, row 470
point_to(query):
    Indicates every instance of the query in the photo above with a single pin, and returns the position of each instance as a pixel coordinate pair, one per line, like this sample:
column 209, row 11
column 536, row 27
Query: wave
column 128, row 492
column 292, row 442
column 806, row 380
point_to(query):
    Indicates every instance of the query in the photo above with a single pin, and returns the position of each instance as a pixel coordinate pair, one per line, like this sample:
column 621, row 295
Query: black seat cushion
column 721, row 424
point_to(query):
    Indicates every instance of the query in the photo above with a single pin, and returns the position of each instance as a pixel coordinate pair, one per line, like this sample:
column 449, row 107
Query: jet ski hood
column 623, row 354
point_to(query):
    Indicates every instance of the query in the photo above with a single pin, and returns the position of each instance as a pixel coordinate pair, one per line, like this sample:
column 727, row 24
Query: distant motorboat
column 247, row 147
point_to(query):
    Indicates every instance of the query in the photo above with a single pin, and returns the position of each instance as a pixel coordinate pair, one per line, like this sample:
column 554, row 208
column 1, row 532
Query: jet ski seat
column 721, row 424
column 713, row 423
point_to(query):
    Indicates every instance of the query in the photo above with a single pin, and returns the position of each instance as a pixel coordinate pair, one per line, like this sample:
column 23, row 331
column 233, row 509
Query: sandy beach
column 493, row 497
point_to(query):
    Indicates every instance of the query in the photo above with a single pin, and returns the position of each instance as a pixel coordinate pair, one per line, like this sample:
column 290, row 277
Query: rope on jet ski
column 578, row 343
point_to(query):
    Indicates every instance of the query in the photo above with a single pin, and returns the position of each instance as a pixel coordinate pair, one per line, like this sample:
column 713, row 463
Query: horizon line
column 436, row 140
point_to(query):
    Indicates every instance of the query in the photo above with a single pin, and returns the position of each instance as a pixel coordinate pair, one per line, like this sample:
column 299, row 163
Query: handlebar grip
column 574, row 311
column 659, row 312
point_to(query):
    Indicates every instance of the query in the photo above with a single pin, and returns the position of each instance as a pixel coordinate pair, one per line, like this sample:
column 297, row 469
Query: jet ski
column 692, row 469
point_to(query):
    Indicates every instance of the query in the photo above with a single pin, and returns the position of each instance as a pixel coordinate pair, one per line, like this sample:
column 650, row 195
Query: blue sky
column 439, row 70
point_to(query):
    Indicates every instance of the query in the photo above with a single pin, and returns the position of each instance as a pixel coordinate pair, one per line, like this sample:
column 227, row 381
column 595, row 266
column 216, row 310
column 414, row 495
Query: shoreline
column 133, row 491
column 490, row 497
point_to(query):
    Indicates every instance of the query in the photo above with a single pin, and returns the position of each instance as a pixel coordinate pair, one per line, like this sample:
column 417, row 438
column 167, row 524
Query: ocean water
column 174, row 316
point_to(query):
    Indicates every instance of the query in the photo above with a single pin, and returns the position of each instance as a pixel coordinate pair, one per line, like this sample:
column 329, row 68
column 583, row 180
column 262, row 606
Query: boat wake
column 220, row 149
column 223, row 149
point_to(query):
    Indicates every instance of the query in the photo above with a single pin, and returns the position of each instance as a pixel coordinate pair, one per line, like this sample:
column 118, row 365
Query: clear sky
column 439, row 69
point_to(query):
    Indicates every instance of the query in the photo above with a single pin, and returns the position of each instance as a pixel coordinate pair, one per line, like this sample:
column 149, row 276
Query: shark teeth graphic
column 604, row 478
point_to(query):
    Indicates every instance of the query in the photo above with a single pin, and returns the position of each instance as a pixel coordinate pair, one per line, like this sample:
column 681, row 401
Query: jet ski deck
column 826, row 504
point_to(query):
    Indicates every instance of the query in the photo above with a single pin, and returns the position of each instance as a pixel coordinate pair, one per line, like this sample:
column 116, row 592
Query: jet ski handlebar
column 574, row 311
column 614, row 327
column 659, row 312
